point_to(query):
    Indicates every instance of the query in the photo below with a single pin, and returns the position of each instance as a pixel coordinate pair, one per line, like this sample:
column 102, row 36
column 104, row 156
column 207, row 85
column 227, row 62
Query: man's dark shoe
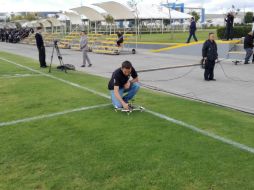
column 212, row 79
column 246, row 63
column 207, row 80
column 83, row 66
column 90, row 65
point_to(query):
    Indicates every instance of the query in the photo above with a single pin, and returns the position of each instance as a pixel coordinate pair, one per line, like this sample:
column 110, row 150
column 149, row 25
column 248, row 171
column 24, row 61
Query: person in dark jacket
column 210, row 54
column 229, row 26
column 120, row 39
column 248, row 47
column 41, row 48
column 193, row 29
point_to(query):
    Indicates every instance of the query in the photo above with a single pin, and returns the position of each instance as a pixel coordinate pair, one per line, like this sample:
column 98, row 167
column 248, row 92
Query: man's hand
column 126, row 106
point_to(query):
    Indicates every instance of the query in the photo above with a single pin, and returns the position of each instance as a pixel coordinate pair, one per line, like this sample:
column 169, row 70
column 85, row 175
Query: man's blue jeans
column 249, row 53
column 127, row 95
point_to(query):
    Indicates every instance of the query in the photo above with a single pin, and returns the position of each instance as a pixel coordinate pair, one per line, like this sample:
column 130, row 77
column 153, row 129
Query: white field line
column 56, row 78
column 25, row 120
column 19, row 76
column 161, row 116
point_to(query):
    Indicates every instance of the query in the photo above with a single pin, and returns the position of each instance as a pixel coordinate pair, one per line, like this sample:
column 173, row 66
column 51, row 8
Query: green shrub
column 238, row 31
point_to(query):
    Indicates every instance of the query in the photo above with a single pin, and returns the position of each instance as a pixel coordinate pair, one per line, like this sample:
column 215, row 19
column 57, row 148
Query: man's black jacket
column 210, row 50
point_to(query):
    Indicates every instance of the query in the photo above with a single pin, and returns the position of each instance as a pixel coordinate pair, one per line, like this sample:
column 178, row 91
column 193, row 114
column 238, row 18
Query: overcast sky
column 212, row 6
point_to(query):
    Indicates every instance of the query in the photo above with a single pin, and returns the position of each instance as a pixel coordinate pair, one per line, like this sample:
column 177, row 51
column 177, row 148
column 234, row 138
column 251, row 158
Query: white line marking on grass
column 25, row 120
column 203, row 132
column 180, row 123
column 56, row 78
column 19, row 76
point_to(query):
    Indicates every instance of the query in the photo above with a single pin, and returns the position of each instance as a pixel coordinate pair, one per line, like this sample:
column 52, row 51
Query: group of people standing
column 14, row 35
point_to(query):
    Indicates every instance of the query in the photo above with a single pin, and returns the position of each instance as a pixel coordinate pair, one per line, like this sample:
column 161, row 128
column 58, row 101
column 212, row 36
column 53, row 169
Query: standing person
column 210, row 54
column 84, row 48
column 229, row 26
column 193, row 29
column 248, row 47
column 121, row 88
column 40, row 47
column 120, row 39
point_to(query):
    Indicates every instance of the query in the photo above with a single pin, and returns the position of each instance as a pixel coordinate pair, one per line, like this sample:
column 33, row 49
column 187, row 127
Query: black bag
column 67, row 67
column 202, row 63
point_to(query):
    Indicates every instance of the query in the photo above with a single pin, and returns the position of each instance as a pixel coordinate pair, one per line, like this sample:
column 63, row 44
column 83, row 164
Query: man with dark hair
column 248, row 47
column 193, row 29
column 210, row 54
column 41, row 47
column 84, row 47
column 122, row 89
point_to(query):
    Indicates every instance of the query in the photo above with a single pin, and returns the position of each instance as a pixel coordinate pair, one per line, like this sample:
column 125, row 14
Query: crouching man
column 122, row 89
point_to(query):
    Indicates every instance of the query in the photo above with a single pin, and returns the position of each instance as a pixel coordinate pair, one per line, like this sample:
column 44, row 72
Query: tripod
column 59, row 56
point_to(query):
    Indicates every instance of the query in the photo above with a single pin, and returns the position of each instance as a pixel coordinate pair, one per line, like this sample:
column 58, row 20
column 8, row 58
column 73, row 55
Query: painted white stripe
column 180, row 123
column 203, row 132
column 19, row 76
column 25, row 120
column 56, row 78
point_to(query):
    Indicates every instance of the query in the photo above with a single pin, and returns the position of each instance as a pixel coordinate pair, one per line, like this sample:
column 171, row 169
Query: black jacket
column 210, row 50
column 39, row 40
column 248, row 42
column 193, row 26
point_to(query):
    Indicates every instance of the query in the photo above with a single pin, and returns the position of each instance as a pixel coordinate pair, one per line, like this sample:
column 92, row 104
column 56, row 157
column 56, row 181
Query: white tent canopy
column 27, row 24
column 90, row 12
column 73, row 17
column 117, row 10
column 54, row 22
column 153, row 11
column 45, row 23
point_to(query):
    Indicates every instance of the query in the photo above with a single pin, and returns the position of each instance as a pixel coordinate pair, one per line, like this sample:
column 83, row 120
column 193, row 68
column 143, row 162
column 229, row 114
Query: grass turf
column 178, row 37
column 101, row 149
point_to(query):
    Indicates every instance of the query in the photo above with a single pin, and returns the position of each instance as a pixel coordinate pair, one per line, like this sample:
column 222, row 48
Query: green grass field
column 101, row 149
column 178, row 37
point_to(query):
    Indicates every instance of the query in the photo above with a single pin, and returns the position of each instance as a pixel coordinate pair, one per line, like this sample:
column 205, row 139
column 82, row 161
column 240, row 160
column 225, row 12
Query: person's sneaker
column 206, row 79
column 83, row 66
column 246, row 63
column 90, row 65
column 212, row 79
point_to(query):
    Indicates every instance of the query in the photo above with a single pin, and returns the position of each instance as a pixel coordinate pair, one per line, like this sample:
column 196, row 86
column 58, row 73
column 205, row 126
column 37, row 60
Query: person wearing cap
column 40, row 47
column 84, row 48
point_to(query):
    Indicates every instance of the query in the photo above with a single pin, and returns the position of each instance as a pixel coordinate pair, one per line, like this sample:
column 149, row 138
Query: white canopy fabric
column 54, row 22
column 27, row 24
column 90, row 12
column 35, row 23
column 45, row 23
column 176, row 15
column 73, row 17
column 153, row 11
column 8, row 25
column 117, row 10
